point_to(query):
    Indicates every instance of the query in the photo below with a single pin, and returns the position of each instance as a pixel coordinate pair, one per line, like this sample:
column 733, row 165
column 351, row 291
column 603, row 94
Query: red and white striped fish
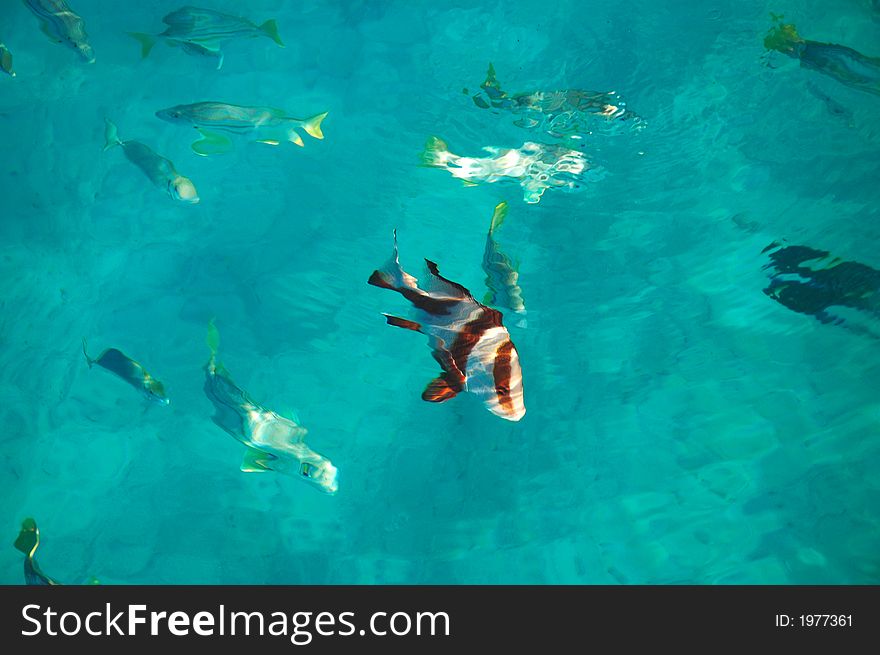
column 467, row 339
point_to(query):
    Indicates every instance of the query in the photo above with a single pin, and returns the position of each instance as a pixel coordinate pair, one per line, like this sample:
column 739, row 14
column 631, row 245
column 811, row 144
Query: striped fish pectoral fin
column 404, row 323
column 211, row 143
column 256, row 461
column 439, row 390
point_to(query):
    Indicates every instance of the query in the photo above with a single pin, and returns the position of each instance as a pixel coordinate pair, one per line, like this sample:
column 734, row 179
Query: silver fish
column 273, row 442
column 536, row 166
column 570, row 113
column 501, row 275
column 203, row 32
column 6, row 60
column 160, row 170
column 131, row 372
column 60, row 24
column 263, row 124
column 27, row 542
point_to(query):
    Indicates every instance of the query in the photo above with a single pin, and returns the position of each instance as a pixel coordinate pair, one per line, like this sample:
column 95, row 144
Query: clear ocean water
column 682, row 427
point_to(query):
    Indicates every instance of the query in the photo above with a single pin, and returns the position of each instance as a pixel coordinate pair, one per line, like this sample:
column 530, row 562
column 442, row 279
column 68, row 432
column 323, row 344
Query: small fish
column 272, row 442
column 811, row 281
column 840, row 62
column 570, row 113
column 203, row 32
column 501, row 274
column 28, row 541
column 263, row 124
column 6, row 60
column 60, row 24
column 467, row 339
column 130, row 371
column 536, row 166
column 160, row 170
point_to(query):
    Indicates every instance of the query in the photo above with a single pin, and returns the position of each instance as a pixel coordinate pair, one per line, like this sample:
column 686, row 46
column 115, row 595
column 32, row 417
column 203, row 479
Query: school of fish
column 467, row 338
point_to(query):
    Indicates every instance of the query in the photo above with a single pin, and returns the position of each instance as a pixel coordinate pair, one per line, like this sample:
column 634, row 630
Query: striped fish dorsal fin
column 437, row 284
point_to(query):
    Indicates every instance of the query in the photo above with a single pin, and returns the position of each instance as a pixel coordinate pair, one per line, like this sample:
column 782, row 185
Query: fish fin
column 29, row 538
column 89, row 360
column 439, row 390
column 499, row 216
column 255, row 461
column 312, row 125
column 222, row 57
column 269, row 142
column 468, row 183
column 489, row 298
column 436, row 152
column 147, row 42
column 212, row 339
column 392, row 275
column 436, row 283
column 294, row 137
column 270, row 29
column 44, row 28
column 404, row 323
column 211, row 143
column 111, row 135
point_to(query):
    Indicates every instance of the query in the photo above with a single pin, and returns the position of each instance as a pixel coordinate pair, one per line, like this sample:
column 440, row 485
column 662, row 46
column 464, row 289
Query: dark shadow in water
column 810, row 281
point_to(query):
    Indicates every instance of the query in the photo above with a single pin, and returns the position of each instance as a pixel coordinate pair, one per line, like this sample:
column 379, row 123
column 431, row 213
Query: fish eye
column 306, row 470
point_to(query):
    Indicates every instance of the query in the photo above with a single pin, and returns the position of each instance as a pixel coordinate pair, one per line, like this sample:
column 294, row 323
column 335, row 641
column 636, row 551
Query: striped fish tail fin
column 312, row 125
column 270, row 29
column 147, row 42
column 29, row 538
column 436, row 152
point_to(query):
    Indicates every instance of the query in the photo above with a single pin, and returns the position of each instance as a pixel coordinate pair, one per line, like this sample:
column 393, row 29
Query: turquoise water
column 681, row 427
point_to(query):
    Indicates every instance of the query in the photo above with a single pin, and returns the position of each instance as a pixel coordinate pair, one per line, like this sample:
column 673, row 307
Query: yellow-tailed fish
column 130, row 371
column 501, row 275
column 847, row 66
column 535, row 166
column 160, row 170
column 6, row 60
column 262, row 124
column 203, row 32
column 60, row 24
column 272, row 442
column 27, row 542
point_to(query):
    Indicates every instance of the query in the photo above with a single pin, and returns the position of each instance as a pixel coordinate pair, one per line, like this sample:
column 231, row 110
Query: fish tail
column 29, row 538
column 213, row 341
column 111, row 135
column 270, row 29
column 499, row 216
column 89, row 360
column 436, row 152
column 312, row 125
column 147, row 42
